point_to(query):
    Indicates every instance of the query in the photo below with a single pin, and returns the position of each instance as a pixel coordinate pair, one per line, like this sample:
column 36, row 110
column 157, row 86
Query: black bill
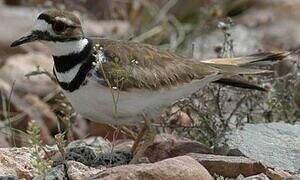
column 24, row 39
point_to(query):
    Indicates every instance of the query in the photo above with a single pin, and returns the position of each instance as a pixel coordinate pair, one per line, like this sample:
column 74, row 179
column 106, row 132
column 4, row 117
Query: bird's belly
column 95, row 101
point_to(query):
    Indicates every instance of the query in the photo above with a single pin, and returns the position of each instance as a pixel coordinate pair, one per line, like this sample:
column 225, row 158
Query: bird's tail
column 240, row 82
column 231, row 67
column 266, row 58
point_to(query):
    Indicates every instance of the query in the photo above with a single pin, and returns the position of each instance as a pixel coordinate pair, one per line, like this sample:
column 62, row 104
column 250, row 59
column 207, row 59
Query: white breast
column 93, row 101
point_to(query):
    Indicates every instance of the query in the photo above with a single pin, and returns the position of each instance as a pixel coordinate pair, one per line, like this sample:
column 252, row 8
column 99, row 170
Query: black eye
column 59, row 27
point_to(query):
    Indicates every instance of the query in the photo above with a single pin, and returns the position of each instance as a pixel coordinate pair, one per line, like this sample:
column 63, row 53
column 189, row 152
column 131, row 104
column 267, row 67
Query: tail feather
column 267, row 58
column 231, row 76
column 231, row 70
column 231, row 67
column 239, row 82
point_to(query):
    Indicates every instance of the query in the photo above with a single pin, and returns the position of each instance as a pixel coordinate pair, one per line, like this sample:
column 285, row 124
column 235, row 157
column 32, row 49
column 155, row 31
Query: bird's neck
column 68, row 47
column 72, row 62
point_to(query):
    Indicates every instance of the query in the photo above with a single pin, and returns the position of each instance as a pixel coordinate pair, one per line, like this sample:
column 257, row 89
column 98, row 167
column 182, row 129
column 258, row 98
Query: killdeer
column 119, row 82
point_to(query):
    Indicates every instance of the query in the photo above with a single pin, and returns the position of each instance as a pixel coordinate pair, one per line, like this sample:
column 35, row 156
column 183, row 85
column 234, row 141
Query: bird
column 123, row 82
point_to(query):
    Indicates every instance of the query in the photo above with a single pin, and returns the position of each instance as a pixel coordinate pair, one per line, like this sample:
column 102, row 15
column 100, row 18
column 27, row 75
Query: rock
column 4, row 140
column 78, row 171
column 16, row 67
column 86, row 151
column 115, row 28
column 277, row 22
column 32, row 108
column 260, row 176
column 44, row 109
column 278, row 174
column 9, row 178
column 80, row 127
column 104, row 130
column 123, row 145
column 168, row 146
column 82, row 153
column 229, row 166
column 276, row 145
column 112, row 159
column 56, row 173
column 271, row 27
column 184, row 119
column 296, row 95
column 12, row 26
column 96, row 151
column 7, row 172
column 97, row 143
column 182, row 167
column 16, row 162
column 246, row 41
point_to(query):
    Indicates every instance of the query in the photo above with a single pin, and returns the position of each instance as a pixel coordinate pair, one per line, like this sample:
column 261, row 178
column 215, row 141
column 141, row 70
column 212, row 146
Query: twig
column 39, row 72
column 164, row 10
column 8, row 111
column 23, row 114
column 111, row 89
column 148, row 34
column 238, row 104
column 180, row 31
column 217, row 99
column 152, row 8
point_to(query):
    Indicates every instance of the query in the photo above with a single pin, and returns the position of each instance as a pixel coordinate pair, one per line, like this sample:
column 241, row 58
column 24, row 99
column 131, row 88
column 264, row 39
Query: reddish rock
column 17, row 66
column 123, row 145
column 177, row 168
column 184, row 119
column 104, row 130
column 16, row 162
column 168, row 146
column 277, row 174
column 43, row 109
column 32, row 108
column 4, row 141
column 78, row 171
column 229, row 166
column 260, row 176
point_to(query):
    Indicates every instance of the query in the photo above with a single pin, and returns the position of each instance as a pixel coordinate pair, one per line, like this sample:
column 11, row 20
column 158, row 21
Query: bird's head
column 53, row 26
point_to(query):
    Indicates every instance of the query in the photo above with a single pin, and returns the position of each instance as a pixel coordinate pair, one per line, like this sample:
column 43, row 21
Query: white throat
column 66, row 48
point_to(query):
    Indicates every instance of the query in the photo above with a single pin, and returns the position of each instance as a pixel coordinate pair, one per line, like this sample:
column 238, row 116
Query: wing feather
column 134, row 65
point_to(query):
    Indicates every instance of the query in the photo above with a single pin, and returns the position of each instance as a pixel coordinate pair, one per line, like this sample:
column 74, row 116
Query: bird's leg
column 129, row 133
column 147, row 134
column 124, row 131
column 139, row 138
column 115, row 136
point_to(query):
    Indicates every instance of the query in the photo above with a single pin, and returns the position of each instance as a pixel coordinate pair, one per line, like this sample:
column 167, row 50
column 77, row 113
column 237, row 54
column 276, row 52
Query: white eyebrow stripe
column 64, row 20
column 42, row 25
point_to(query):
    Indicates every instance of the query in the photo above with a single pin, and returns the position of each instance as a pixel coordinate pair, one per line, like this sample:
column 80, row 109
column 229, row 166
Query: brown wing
column 130, row 64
